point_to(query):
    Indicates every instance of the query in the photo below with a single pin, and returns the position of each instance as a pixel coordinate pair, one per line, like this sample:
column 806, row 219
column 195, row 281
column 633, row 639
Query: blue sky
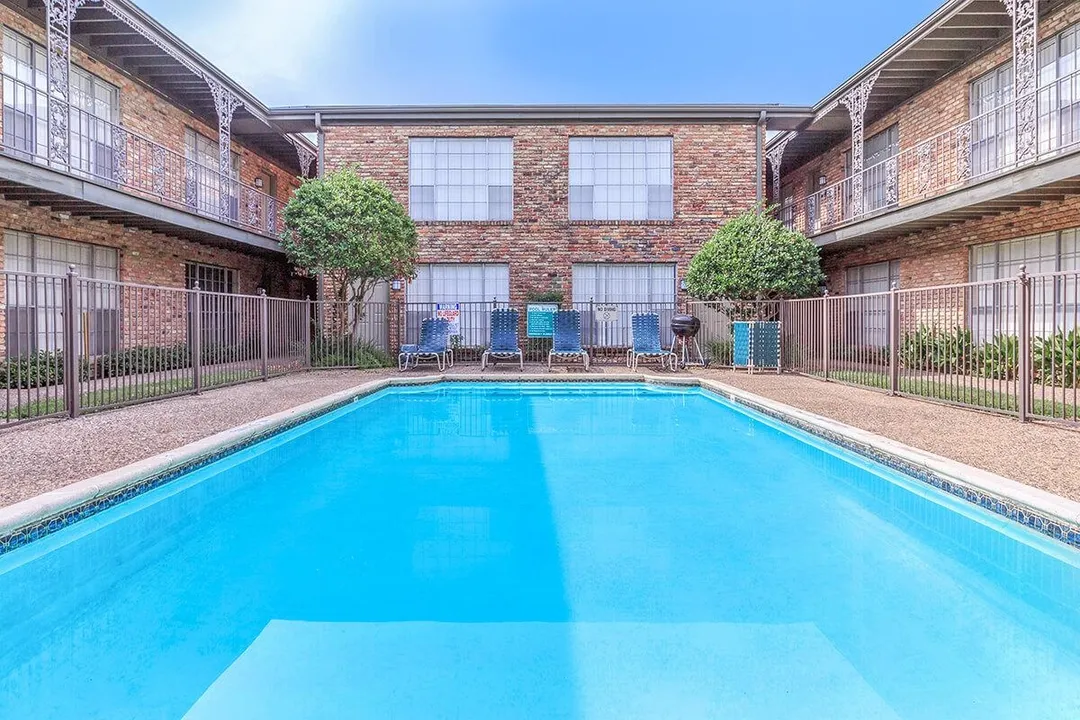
column 539, row 51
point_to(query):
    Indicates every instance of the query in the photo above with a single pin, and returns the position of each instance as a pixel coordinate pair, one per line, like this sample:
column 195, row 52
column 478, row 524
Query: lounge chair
column 566, row 343
column 433, row 346
column 504, row 340
column 646, row 327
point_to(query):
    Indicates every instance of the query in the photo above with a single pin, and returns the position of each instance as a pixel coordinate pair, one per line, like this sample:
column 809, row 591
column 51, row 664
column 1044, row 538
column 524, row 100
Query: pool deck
column 46, row 455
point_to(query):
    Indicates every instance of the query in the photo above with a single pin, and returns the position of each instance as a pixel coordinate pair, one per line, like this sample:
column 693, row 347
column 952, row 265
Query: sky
column 415, row 52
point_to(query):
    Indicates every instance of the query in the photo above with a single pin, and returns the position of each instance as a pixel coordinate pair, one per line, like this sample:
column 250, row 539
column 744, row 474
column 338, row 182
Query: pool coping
column 31, row 519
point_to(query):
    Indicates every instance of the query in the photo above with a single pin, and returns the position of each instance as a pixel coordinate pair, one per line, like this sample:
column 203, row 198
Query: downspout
column 320, row 286
column 760, row 160
column 322, row 144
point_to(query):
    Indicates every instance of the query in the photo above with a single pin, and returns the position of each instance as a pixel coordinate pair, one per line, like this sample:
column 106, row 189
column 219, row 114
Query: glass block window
column 461, row 179
column 620, row 178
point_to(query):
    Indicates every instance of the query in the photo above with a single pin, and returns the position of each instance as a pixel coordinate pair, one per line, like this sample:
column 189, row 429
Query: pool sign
column 451, row 313
column 606, row 313
column 540, row 319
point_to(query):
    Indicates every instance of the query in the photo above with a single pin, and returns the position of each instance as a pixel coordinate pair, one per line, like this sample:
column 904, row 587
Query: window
column 868, row 318
column 211, row 278
column 634, row 287
column 994, row 306
column 94, row 105
column 876, row 151
column 874, row 278
column 474, row 286
column 993, row 123
column 461, row 179
column 621, row 179
column 34, row 305
column 95, row 108
column 25, row 110
column 1059, row 94
column 203, row 178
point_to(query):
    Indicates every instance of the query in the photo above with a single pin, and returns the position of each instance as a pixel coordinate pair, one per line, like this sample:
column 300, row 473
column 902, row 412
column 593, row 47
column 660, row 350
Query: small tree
column 352, row 232
column 754, row 257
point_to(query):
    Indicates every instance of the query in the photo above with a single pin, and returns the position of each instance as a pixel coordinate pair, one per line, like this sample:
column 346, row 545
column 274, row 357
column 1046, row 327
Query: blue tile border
column 1005, row 507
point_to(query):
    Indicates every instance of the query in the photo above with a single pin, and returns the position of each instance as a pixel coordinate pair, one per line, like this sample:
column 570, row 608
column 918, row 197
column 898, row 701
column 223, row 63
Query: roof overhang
column 303, row 119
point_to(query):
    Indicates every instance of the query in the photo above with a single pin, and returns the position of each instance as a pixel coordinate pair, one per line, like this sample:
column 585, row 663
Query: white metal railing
column 114, row 155
column 977, row 149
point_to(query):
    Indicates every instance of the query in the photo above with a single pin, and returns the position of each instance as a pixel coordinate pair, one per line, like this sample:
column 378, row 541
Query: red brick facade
column 938, row 256
column 713, row 180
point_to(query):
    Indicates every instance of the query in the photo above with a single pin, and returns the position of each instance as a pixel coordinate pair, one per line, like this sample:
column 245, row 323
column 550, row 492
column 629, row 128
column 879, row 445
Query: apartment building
column 603, row 204
column 950, row 158
column 131, row 158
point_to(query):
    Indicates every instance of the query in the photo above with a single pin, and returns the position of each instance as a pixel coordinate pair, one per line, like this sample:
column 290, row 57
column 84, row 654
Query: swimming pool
column 554, row 550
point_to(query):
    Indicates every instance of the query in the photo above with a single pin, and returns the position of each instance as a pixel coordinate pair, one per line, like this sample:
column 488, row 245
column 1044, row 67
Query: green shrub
column 999, row 359
column 330, row 351
column 754, row 257
column 218, row 353
column 39, row 369
column 928, row 348
column 720, row 350
column 1055, row 359
column 135, row 360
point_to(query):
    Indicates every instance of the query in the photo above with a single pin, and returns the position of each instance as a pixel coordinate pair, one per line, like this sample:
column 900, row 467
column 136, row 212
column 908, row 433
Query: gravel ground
column 45, row 455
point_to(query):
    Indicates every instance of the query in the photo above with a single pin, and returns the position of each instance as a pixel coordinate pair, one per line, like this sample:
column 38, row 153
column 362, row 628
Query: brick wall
column 714, row 178
column 152, row 258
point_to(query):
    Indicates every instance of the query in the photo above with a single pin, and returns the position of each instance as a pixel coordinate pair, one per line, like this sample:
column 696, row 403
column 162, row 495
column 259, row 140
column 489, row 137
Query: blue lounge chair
column 504, row 339
column 433, row 346
column 646, row 327
column 566, row 342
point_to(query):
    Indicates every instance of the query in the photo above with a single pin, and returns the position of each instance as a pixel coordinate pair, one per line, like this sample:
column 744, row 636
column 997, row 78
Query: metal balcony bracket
column 855, row 101
column 775, row 156
column 1024, row 14
column 305, row 155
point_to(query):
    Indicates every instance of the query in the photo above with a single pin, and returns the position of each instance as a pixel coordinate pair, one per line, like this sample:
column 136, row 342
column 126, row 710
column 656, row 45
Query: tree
column 754, row 257
column 352, row 232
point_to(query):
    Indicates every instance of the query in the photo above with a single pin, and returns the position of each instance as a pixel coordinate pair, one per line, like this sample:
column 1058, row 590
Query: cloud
column 268, row 46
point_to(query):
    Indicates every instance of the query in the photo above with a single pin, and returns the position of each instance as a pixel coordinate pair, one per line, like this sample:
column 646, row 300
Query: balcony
column 113, row 173
column 949, row 167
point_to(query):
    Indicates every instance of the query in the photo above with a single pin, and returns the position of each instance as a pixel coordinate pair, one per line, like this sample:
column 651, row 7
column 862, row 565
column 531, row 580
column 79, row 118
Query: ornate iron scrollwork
column 775, row 156
column 855, row 101
column 1024, row 15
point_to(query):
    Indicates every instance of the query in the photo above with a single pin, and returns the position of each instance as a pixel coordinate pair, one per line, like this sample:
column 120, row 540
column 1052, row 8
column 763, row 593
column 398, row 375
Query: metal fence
column 1010, row 346
column 74, row 344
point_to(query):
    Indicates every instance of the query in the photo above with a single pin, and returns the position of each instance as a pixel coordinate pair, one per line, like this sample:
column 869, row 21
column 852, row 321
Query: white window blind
column 621, row 179
column 461, row 179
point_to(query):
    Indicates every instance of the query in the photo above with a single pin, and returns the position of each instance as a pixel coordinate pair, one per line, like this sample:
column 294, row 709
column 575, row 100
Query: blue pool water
column 541, row 551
